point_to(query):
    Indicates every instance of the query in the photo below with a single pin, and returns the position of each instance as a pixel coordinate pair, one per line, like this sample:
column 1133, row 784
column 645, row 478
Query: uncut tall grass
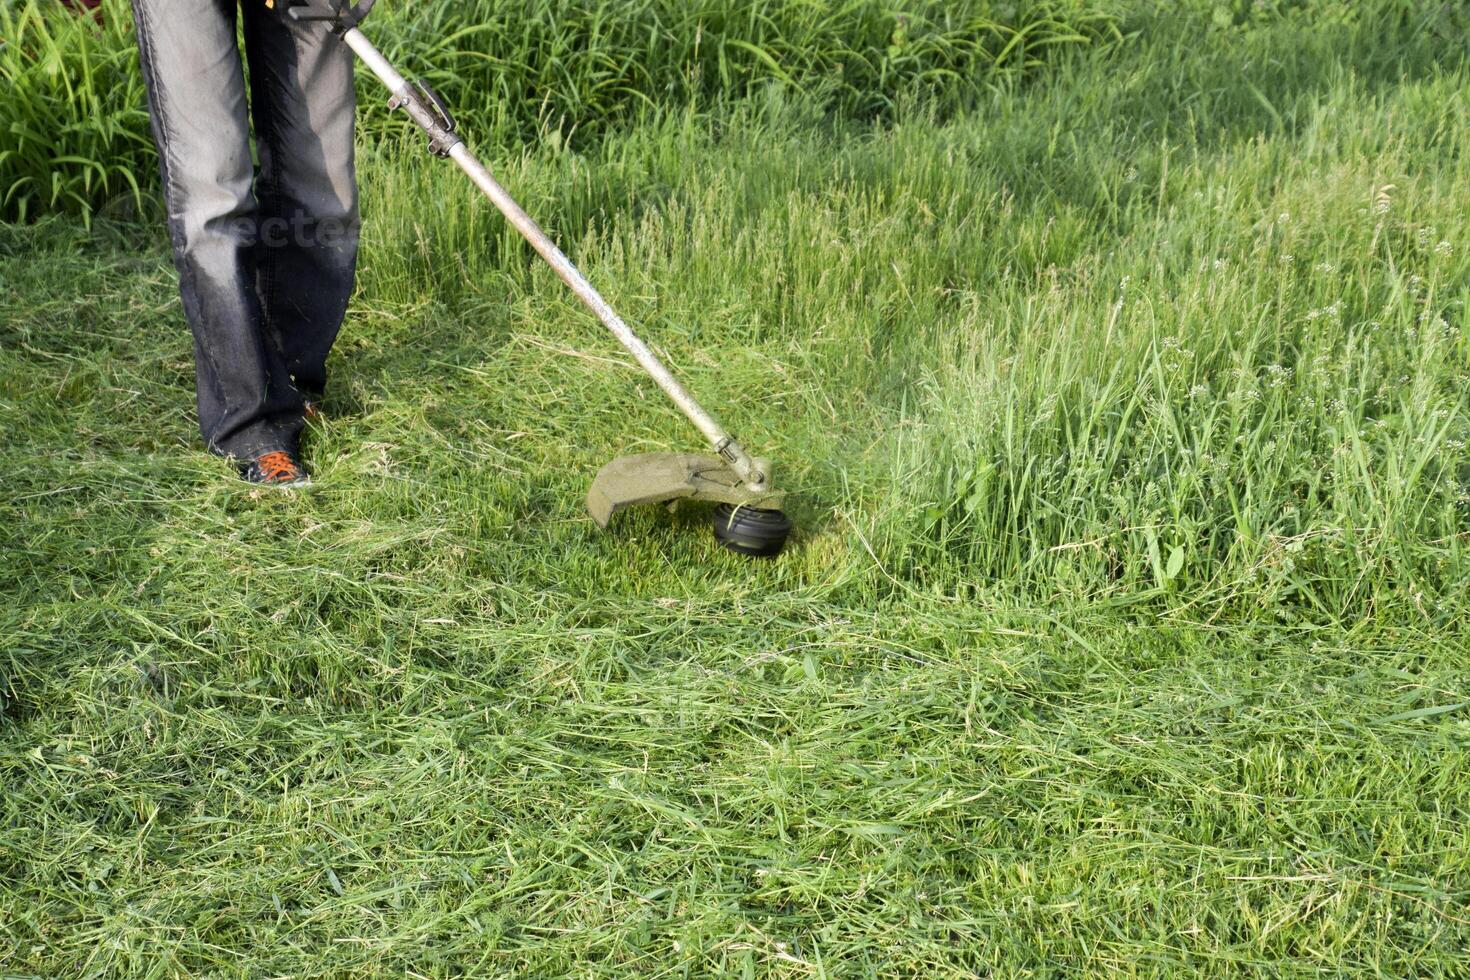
column 73, row 125
column 1136, row 354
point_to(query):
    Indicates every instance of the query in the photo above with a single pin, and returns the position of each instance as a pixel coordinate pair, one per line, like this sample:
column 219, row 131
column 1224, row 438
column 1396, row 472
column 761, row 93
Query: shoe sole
column 280, row 485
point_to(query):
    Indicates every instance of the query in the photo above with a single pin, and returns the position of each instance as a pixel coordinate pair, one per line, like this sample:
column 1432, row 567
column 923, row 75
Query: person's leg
column 304, row 106
column 196, row 97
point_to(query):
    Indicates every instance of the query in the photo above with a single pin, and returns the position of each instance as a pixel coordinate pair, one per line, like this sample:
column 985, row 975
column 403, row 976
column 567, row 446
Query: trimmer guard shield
column 660, row 478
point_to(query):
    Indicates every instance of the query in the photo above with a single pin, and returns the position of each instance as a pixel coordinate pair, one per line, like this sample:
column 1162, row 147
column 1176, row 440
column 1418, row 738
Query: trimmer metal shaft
column 430, row 116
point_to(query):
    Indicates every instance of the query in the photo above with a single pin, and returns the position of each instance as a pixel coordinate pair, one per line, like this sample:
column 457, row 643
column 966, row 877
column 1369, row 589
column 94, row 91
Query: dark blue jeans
column 265, row 255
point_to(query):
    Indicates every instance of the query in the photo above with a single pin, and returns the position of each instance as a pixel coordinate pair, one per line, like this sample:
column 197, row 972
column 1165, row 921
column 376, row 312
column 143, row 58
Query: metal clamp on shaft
column 750, row 470
column 428, row 110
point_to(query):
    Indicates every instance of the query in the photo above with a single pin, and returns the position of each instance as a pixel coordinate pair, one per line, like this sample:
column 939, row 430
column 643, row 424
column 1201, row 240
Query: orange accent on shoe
column 278, row 467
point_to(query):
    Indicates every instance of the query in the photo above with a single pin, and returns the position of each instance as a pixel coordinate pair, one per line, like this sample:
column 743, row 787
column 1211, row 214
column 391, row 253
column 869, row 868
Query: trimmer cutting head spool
column 752, row 531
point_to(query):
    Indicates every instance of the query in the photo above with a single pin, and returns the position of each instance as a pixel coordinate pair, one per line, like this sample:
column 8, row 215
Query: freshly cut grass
column 1124, row 632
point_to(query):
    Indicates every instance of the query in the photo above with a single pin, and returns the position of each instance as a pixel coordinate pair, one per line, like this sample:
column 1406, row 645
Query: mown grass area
column 1124, row 632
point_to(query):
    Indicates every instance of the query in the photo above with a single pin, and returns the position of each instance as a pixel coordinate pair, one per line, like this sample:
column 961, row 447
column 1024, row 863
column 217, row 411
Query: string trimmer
column 748, row 518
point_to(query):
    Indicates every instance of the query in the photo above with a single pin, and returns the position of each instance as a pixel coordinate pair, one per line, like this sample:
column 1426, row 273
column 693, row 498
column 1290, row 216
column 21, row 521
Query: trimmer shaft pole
column 443, row 139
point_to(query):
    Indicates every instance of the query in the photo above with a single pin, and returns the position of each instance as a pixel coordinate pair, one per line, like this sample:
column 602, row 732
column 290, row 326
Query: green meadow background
column 1115, row 355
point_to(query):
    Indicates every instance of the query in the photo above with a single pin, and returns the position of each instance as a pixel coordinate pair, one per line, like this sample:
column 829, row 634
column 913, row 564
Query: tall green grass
column 73, row 118
column 578, row 68
column 1108, row 357
column 73, row 126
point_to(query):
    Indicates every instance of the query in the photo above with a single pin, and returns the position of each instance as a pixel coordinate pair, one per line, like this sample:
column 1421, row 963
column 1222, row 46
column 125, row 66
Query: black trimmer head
column 751, row 530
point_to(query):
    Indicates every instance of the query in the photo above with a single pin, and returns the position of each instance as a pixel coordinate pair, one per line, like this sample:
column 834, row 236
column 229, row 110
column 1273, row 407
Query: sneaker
column 277, row 469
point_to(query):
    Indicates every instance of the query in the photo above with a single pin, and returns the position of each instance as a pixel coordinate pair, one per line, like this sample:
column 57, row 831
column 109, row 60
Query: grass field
column 1125, row 397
